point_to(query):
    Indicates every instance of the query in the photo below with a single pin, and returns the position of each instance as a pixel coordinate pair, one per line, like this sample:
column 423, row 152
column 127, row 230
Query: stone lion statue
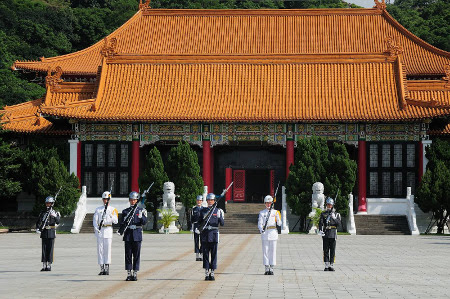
column 318, row 199
column 169, row 196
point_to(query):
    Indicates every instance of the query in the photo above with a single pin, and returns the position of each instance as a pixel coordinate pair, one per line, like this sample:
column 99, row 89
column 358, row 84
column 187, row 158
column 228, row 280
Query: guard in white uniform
column 104, row 235
column 269, row 236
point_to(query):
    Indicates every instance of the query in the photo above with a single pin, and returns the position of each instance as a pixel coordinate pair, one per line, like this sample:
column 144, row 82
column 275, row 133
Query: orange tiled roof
column 434, row 93
column 282, row 31
column 26, row 118
column 444, row 132
column 252, row 88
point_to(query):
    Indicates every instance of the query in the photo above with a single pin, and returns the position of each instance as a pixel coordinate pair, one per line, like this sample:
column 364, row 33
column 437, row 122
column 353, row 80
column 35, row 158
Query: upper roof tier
column 248, row 88
column 233, row 32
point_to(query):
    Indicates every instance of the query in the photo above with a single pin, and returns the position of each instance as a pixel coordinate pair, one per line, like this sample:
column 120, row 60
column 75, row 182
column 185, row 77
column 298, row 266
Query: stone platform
column 366, row 267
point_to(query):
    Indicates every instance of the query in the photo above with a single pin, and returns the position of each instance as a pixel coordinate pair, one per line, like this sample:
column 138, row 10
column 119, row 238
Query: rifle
column 44, row 219
column 106, row 207
column 210, row 212
column 329, row 212
column 271, row 207
column 130, row 215
column 143, row 195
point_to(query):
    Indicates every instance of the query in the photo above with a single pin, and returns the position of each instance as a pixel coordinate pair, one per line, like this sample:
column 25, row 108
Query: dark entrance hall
column 257, row 183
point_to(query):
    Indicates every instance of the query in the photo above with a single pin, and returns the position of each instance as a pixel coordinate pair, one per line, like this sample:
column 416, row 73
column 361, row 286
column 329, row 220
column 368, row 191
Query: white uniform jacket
column 271, row 232
column 112, row 217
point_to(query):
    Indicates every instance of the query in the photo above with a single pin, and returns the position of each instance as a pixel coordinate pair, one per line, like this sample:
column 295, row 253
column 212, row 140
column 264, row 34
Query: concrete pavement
column 366, row 267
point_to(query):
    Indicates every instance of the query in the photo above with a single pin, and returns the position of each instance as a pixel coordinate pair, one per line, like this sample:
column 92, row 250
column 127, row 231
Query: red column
column 211, row 178
column 207, row 163
column 135, row 165
column 289, row 155
column 420, row 153
column 228, row 179
column 79, row 161
column 362, row 208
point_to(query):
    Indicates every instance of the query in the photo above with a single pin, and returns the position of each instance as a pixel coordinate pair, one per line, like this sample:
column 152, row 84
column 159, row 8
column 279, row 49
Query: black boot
column 134, row 276
column 129, row 277
column 102, row 270
column 331, row 268
column 206, row 275
column 106, row 269
column 44, row 267
column 49, row 267
column 211, row 275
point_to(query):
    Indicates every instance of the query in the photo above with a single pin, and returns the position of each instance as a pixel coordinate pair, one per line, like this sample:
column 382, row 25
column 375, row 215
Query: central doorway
column 252, row 185
column 258, row 185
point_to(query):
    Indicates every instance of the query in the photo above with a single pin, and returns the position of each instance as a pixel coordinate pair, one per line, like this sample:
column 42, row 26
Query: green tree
column 315, row 162
column 153, row 173
column 9, row 170
column 50, row 178
column 184, row 171
column 433, row 194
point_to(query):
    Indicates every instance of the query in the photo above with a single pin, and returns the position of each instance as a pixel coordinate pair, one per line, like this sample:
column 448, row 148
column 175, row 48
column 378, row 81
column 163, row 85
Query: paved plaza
column 366, row 267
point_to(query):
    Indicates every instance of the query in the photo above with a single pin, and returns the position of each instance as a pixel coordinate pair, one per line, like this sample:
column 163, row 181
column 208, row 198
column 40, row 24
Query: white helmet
column 199, row 197
column 106, row 194
column 330, row 201
column 49, row 199
column 268, row 198
column 211, row 196
column 134, row 195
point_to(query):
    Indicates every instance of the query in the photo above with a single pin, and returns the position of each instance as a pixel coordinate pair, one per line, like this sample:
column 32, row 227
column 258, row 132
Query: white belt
column 211, row 227
column 134, row 226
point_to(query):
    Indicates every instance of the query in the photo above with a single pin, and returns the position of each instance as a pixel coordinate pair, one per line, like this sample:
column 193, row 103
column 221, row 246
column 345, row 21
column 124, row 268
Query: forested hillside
column 30, row 29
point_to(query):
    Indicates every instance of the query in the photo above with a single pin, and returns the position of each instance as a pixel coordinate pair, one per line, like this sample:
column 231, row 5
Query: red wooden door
column 239, row 185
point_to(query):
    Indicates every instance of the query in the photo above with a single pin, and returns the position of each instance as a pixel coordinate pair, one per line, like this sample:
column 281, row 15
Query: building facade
column 242, row 86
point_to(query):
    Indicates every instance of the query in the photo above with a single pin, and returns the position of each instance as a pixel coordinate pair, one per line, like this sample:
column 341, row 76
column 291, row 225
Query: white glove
column 53, row 213
column 97, row 230
column 333, row 216
column 38, row 231
column 140, row 214
column 197, row 231
column 321, row 233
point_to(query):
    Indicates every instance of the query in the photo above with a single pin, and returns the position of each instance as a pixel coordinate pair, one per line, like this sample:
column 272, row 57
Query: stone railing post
column 80, row 212
column 351, row 227
column 285, row 224
column 411, row 213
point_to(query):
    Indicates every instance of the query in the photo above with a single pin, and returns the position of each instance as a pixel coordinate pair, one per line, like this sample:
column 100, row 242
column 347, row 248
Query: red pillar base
column 134, row 166
column 207, row 164
column 289, row 155
column 362, row 181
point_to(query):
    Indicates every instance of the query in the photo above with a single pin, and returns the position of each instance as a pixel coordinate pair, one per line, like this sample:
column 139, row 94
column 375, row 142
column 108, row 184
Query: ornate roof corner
column 144, row 4
column 42, row 58
column 109, row 49
column 93, row 108
column 53, row 78
column 393, row 48
column 380, row 5
column 38, row 119
column 446, row 78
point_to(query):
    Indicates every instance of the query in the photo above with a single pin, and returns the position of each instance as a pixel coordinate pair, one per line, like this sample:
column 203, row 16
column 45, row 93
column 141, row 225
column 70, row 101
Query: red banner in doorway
column 239, row 185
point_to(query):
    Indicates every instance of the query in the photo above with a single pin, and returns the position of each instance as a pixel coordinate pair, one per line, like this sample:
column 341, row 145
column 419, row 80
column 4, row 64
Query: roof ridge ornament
column 53, row 78
column 447, row 75
column 109, row 49
column 380, row 5
column 393, row 48
column 144, row 4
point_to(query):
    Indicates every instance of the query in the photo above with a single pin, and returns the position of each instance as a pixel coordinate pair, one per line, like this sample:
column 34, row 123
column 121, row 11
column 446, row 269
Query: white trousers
column 269, row 249
column 104, row 250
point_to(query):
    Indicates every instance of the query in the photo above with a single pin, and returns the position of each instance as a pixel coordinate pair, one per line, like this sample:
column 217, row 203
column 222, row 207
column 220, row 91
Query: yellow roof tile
column 289, row 88
column 283, row 31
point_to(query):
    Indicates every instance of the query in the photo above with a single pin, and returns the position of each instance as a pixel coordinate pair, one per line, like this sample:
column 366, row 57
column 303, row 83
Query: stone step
column 87, row 227
column 381, row 225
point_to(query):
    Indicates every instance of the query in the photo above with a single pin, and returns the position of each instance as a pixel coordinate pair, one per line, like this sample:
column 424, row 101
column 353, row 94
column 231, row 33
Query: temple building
column 242, row 86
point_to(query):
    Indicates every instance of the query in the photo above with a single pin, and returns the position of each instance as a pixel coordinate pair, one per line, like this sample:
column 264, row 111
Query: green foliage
column 315, row 162
column 429, row 20
column 153, row 172
column 50, row 178
column 433, row 194
column 9, row 170
column 184, row 171
column 316, row 218
column 167, row 217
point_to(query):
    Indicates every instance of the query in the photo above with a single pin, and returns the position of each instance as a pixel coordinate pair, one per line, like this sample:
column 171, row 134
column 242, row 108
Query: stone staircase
column 87, row 225
column 381, row 225
column 241, row 218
